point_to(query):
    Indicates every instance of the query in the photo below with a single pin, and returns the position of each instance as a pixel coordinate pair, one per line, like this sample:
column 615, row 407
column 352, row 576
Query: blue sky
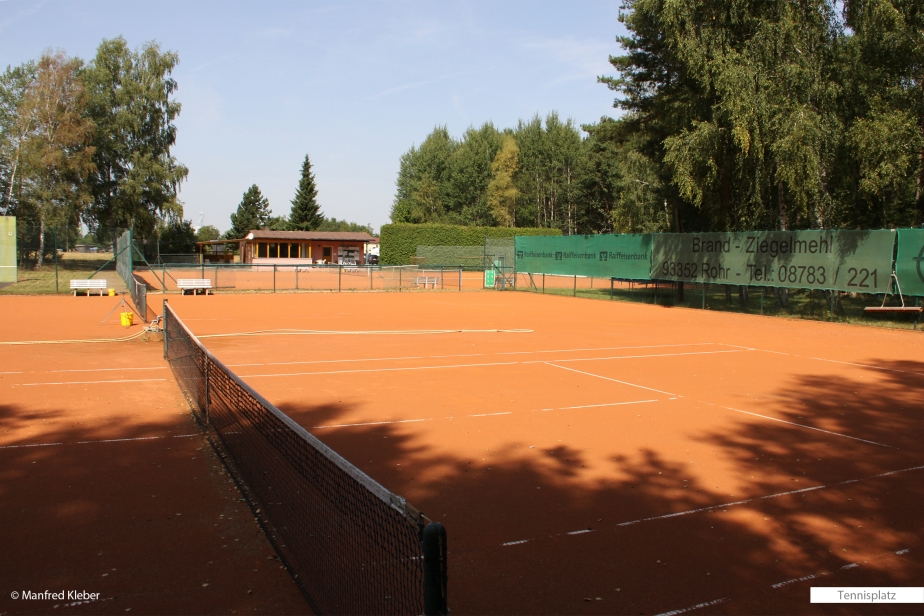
column 352, row 84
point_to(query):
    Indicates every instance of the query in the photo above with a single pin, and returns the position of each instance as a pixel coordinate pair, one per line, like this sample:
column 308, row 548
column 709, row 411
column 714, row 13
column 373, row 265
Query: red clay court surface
column 616, row 458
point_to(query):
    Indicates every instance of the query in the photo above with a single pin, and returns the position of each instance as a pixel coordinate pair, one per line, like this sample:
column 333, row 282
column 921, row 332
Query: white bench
column 426, row 281
column 88, row 285
column 195, row 285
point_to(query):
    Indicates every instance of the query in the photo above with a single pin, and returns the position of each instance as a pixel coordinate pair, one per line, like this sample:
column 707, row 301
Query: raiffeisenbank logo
column 519, row 254
column 558, row 255
column 604, row 255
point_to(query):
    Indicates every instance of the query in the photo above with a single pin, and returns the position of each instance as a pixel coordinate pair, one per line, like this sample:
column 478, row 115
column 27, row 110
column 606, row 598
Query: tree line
column 89, row 142
column 745, row 114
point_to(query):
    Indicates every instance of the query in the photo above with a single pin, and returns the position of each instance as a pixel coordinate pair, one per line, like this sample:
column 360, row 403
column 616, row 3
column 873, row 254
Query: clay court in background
column 585, row 456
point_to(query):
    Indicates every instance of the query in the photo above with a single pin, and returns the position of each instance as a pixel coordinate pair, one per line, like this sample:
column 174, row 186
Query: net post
column 434, row 553
column 165, row 328
column 208, row 365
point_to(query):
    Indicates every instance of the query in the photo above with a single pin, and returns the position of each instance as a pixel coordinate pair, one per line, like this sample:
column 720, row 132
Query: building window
column 262, row 250
column 293, row 251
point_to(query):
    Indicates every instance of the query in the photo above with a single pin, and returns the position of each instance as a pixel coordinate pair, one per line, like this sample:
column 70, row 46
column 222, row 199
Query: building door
column 327, row 253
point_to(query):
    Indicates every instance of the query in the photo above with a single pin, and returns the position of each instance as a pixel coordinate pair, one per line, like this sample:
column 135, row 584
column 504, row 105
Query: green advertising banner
column 604, row 256
column 7, row 249
column 859, row 261
column 909, row 264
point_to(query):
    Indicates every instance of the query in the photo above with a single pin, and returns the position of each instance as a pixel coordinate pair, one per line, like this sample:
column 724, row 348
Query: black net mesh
column 352, row 546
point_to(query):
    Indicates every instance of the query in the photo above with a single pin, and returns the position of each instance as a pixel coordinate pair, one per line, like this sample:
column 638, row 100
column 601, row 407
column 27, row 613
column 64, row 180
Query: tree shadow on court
column 135, row 509
column 534, row 529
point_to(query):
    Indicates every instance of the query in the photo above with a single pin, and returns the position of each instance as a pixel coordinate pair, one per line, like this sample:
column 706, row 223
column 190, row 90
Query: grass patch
column 71, row 266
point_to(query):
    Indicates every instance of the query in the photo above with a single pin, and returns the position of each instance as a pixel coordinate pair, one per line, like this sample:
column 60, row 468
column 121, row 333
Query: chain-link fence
column 48, row 259
column 798, row 303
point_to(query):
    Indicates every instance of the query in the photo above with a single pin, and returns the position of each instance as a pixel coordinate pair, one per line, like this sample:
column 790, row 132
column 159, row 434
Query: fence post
column 543, row 283
column 274, row 277
column 460, row 277
column 339, row 276
column 441, row 278
column 704, row 295
column 296, row 277
column 370, row 277
column 399, row 277
column 56, row 257
column 574, row 290
column 611, row 289
column 762, row 300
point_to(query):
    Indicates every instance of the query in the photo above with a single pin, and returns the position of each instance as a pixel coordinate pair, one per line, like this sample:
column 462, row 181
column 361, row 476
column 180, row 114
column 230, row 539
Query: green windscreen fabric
column 605, row 256
column 7, row 249
column 909, row 264
column 859, row 261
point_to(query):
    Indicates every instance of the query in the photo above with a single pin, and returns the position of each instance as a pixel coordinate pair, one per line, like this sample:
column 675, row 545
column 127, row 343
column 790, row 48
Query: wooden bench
column 195, row 285
column 426, row 281
column 894, row 309
column 88, row 285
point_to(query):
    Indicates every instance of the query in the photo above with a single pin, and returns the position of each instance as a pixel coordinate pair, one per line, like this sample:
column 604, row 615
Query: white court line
column 647, row 346
column 735, row 503
column 90, row 382
column 491, row 414
column 10, row 372
column 588, row 406
column 110, row 440
column 606, row 378
column 508, row 363
column 540, row 361
column 779, row 585
column 324, row 361
column 863, row 440
column 833, row 361
column 694, row 607
column 369, row 423
column 106, row 369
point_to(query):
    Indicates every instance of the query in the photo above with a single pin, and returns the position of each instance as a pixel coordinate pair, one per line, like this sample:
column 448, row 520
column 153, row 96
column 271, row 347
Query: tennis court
column 585, row 456
column 589, row 457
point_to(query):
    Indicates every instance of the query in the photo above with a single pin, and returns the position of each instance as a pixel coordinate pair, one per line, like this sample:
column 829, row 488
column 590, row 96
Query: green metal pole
column 56, row 257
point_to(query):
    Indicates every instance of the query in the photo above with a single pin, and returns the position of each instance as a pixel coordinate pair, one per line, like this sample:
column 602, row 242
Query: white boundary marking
column 540, row 361
column 369, row 423
column 107, row 369
column 647, row 346
column 108, row 440
column 807, row 427
column 325, row 361
column 606, row 378
column 588, row 406
column 694, row 607
column 507, row 363
column 732, row 504
column 90, row 382
column 833, row 361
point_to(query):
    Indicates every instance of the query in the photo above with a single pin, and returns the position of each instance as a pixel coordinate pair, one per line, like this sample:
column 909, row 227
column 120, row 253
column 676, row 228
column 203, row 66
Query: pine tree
column 253, row 212
column 306, row 213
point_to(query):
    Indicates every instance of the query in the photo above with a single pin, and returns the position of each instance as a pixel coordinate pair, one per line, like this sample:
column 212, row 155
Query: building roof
column 336, row 236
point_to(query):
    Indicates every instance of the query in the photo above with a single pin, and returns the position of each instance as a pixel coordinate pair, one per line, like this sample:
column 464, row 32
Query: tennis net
column 352, row 546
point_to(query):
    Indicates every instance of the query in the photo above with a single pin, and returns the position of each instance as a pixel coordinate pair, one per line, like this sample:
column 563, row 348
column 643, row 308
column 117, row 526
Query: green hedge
column 400, row 241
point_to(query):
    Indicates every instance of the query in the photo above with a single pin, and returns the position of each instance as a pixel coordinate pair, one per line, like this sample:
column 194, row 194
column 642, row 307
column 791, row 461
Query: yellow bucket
column 111, row 292
column 128, row 318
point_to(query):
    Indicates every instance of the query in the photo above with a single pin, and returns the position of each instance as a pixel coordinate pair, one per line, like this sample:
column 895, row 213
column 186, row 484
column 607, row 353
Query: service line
column 731, row 504
column 108, row 440
column 606, row 378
